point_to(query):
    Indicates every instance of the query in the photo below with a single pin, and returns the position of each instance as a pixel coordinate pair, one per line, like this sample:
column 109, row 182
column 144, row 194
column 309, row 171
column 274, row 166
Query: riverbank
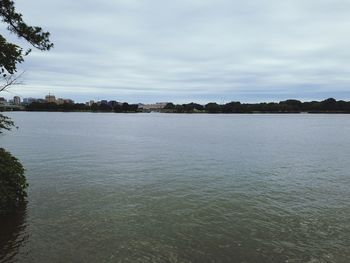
column 288, row 106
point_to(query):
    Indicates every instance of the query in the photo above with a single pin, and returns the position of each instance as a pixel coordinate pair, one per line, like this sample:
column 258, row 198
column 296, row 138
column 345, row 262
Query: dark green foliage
column 126, row 107
column 93, row 107
column 118, row 108
column 213, row 108
column 193, row 107
column 288, row 106
column 12, row 182
column 132, row 108
column 12, row 179
column 179, row 109
column 5, row 123
column 105, row 108
column 169, row 106
column 232, row 107
column 291, row 106
column 51, row 106
column 10, row 56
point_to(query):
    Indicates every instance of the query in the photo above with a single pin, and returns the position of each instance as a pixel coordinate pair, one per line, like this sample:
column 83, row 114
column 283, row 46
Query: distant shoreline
column 184, row 113
column 328, row 106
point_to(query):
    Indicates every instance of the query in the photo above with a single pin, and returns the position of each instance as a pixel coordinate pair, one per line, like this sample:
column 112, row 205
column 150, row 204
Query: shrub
column 12, row 182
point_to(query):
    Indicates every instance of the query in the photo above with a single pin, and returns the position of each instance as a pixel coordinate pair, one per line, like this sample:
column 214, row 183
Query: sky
column 189, row 50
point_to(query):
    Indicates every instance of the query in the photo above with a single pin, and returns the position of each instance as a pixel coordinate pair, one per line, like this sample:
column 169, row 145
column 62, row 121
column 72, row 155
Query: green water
column 180, row 188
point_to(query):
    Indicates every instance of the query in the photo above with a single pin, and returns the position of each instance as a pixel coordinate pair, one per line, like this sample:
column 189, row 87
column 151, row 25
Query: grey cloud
column 187, row 50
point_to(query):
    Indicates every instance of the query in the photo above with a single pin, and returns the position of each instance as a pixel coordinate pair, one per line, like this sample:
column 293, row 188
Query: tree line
column 95, row 107
column 288, row 106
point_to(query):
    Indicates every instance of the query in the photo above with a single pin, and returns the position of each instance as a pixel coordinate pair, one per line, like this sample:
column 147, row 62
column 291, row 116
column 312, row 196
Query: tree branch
column 11, row 80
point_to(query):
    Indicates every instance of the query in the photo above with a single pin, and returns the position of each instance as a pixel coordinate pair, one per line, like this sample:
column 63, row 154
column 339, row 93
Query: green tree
column 169, row 106
column 5, row 123
column 12, row 54
column 212, row 107
column 12, row 180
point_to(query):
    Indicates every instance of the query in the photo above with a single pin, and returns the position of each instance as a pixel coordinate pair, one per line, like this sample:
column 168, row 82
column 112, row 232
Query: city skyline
column 43, row 98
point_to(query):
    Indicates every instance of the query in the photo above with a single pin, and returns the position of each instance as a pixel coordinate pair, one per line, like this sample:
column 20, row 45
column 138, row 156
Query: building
column 28, row 101
column 60, row 101
column 50, row 98
column 153, row 107
column 16, row 100
column 3, row 101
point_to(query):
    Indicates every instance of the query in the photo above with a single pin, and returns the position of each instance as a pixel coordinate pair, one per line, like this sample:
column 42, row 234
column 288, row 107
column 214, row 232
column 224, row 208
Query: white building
column 16, row 100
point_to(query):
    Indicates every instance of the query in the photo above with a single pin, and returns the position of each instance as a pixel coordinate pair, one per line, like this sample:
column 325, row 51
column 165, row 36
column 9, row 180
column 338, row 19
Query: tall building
column 50, row 98
column 16, row 100
column 3, row 101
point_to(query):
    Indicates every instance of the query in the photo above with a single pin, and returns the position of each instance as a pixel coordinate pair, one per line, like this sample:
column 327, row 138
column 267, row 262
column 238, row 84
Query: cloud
column 186, row 50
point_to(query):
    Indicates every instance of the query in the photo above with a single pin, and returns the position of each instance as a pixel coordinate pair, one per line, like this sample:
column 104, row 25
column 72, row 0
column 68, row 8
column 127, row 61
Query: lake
column 108, row 187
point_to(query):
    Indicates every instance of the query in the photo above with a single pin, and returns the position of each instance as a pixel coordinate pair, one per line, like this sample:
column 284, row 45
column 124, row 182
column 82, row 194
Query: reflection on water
column 12, row 233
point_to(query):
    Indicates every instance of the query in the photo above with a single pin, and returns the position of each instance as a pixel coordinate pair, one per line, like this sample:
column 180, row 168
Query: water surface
column 181, row 188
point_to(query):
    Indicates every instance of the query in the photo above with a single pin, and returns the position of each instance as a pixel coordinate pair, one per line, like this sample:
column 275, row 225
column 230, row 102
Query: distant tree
column 169, row 106
column 179, row 108
column 133, row 107
column 192, row 107
column 117, row 108
column 312, row 106
column 80, row 107
column 125, row 107
column 290, row 106
column 104, row 107
column 232, row 107
column 343, row 106
column 47, row 106
column 329, row 105
column 212, row 107
column 94, row 107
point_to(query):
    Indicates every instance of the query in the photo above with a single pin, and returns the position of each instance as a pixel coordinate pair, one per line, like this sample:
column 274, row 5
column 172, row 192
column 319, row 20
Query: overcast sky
column 190, row 50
